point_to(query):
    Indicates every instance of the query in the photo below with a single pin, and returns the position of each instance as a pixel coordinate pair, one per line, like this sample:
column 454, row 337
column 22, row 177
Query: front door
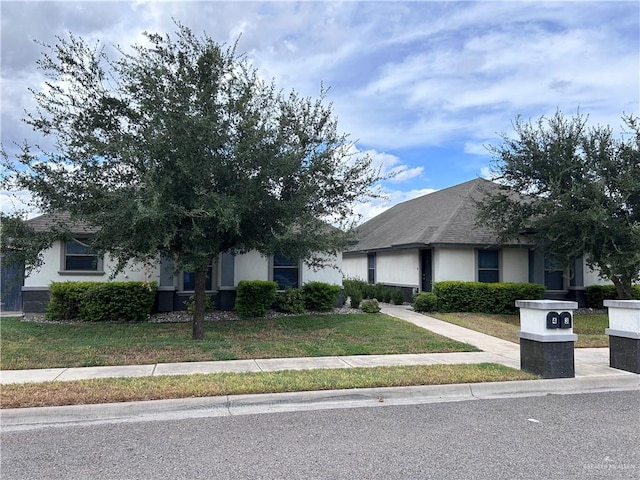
column 425, row 267
column 11, row 281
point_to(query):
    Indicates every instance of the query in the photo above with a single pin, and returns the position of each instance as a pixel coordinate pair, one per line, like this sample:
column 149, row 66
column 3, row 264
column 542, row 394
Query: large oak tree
column 573, row 190
column 178, row 148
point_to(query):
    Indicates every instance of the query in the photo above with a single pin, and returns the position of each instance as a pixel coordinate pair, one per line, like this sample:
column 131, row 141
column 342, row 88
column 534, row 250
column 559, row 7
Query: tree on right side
column 572, row 190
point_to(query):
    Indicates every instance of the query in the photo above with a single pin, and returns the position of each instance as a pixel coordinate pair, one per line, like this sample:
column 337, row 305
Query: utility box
column 624, row 334
column 546, row 337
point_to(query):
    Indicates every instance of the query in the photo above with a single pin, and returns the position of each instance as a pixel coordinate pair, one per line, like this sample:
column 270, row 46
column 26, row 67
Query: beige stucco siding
column 400, row 267
column 355, row 266
column 591, row 277
column 331, row 273
column 254, row 266
column 454, row 264
column 50, row 271
column 514, row 265
column 251, row 266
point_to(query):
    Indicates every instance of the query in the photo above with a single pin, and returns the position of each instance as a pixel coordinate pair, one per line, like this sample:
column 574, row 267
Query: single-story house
column 73, row 260
column 434, row 238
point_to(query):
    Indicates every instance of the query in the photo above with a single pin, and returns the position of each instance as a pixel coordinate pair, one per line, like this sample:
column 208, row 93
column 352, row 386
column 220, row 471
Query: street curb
column 18, row 419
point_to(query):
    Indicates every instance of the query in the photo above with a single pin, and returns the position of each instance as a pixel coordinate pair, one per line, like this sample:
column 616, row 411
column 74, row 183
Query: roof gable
column 446, row 216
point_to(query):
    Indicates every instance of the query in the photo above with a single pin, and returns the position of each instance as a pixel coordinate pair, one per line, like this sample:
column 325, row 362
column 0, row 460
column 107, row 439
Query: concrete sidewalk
column 590, row 362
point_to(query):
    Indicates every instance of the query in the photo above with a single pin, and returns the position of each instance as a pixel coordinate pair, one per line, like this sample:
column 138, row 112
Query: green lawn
column 26, row 345
column 589, row 327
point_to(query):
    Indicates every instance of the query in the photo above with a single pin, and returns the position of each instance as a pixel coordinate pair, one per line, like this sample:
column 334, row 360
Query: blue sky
column 422, row 86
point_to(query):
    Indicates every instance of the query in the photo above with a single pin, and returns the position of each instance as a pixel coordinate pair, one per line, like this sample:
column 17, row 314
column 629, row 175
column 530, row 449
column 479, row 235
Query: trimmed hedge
column 594, row 295
column 254, row 298
column 101, row 301
column 358, row 289
column 478, row 297
column 397, row 297
column 290, row 301
column 65, row 299
column 320, row 296
column 370, row 305
column 118, row 301
column 425, row 302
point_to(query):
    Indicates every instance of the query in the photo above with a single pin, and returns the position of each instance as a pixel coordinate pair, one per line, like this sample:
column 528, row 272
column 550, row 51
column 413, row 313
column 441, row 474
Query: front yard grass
column 589, row 327
column 111, row 390
column 28, row 345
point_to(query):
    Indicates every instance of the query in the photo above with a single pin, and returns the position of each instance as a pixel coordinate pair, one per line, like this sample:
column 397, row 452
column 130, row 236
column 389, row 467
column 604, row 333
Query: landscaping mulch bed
column 183, row 316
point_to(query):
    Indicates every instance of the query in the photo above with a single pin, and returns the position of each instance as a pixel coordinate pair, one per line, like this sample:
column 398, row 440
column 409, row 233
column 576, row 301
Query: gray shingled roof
column 445, row 217
column 45, row 223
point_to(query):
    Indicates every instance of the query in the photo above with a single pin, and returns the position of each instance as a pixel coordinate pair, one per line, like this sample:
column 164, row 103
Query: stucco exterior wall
column 355, row 266
column 327, row 274
column 251, row 266
column 591, row 277
column 514, row 265
column 454, row 264
column 401, row 267
column 50, row 271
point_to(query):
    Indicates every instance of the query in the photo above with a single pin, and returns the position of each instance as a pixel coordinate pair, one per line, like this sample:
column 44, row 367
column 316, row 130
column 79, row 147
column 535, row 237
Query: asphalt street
column 581, row 436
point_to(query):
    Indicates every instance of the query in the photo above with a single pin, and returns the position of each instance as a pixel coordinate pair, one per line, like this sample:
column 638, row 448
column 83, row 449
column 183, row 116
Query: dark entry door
column 11, row 281
column 425, row 267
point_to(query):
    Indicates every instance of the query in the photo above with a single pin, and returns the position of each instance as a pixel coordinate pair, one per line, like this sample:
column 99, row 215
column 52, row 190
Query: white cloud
column 474, row 148
column 17, row 202
column 403, row 75
column 370, row 209
column 389, row 166
column 485, row 172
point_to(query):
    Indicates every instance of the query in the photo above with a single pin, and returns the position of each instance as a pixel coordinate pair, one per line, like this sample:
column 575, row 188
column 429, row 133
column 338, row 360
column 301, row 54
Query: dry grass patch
column 112, row 390
column 589, row 327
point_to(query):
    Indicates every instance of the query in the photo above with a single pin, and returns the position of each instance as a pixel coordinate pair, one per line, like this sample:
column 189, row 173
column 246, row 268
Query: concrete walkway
column 589, row 362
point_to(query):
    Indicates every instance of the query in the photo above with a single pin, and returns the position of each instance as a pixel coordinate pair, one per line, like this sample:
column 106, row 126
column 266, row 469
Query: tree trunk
column 623, row 287
column 199, row 302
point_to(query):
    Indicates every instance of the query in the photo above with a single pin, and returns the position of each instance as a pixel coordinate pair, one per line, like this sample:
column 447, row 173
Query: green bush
column 397, row 297
column 101, row 301
column 118, row 301
column 356, row 298
column 456, row 296
column 320, row 296
column 370, row 305
column 377, row 291
column 594, row 295
column 290, row 301
column 64, row 300
column 354, row 288
column 254, row 298
column 425, row 302
column 369, row 291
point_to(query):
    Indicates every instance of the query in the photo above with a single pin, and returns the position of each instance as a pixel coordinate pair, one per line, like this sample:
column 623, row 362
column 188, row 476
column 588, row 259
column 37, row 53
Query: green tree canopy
column 179, row 149
column 573, row 190
column 20, row 245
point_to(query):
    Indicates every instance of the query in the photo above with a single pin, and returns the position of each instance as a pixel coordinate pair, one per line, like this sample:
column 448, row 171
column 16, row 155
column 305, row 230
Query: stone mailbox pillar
column 547, row 338
column 624, row 334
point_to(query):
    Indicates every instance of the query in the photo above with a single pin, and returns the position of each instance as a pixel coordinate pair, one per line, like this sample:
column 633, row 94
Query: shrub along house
column 74, row 260
column 435, row 238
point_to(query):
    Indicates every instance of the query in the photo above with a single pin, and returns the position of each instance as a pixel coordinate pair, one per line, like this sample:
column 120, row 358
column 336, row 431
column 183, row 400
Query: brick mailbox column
column 624, row 334
column 547, row 338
